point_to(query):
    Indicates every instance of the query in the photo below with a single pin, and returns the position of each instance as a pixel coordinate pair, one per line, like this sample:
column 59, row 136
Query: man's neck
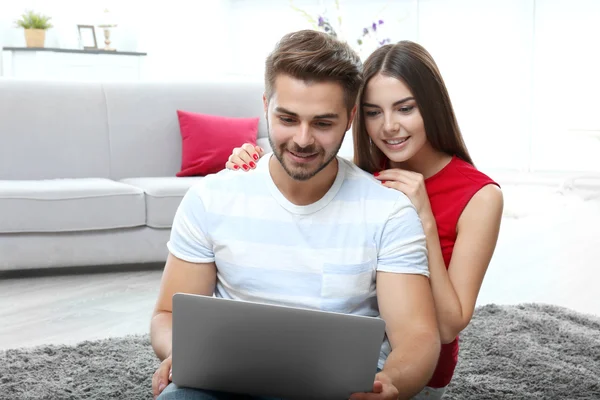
column 303, row 193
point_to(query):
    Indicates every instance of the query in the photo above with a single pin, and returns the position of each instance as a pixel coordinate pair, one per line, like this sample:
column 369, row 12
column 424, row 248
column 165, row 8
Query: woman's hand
column 244, row 157
column 411, row 184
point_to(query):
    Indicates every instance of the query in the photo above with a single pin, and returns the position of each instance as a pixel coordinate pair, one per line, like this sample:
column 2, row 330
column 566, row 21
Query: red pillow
column 208, row 140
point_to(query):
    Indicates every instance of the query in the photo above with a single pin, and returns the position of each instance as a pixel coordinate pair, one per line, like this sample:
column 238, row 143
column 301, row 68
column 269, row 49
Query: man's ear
column 265, row 103
column 352, row 113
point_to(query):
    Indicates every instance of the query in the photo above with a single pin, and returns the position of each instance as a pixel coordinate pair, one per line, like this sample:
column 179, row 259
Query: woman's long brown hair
column 413, row 65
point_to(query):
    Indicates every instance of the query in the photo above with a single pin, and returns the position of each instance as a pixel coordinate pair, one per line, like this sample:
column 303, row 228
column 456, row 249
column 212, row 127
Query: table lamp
column 106, row 22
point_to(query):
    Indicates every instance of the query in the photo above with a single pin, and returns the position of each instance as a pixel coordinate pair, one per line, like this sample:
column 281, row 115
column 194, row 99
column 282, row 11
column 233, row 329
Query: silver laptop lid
column 270, row 350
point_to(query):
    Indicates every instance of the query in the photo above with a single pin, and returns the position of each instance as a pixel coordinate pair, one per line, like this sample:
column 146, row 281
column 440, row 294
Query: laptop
column 270, row 350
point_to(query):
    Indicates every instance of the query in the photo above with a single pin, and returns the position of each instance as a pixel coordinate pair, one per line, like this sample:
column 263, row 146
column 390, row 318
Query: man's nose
column 304, row 137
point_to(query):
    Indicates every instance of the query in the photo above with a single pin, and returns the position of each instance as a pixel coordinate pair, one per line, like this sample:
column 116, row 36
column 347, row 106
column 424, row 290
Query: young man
column 306, row 228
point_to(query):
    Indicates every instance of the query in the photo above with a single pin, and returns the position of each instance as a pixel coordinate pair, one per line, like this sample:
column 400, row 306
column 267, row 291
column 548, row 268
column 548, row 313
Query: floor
column 548, row 251
column 71, row 308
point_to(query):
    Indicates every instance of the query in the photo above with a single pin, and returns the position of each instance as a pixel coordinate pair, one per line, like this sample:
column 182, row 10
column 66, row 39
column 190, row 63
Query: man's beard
column 299, row 174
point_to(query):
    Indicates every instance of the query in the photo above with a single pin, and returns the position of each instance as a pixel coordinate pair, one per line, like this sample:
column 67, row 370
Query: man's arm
column 406, row 301
column 178, row 276
column 190, row 267
column 406, row 305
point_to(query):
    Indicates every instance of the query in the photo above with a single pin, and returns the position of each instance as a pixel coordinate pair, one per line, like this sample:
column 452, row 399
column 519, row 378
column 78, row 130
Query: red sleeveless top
column 449, row 191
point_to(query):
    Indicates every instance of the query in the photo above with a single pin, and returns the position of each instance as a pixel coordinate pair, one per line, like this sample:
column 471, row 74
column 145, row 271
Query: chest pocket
column 346, row 286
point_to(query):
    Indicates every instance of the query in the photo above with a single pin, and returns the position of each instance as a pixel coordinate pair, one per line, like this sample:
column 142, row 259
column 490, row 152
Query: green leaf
column 306, row 15
column 32, row 20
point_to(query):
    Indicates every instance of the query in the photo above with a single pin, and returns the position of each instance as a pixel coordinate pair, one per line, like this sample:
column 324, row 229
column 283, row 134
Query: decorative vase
column 35, row 37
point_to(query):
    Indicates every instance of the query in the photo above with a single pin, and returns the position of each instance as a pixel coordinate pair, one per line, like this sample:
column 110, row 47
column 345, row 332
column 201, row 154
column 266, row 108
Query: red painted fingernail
column 236, row 167
column 252, row 164
column 245, row 167
column 376, row 174
column 382, row 182
column 256, row 156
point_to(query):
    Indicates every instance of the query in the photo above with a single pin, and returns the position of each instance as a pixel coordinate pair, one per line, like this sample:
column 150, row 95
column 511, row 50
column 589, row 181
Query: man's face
column 307, row 123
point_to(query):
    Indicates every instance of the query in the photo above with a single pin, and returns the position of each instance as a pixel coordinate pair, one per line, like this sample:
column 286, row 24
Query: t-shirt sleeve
column 403, row 248
column 189, row 240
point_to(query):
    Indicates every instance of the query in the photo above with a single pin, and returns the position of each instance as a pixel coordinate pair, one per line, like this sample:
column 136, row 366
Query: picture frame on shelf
column 87, row 37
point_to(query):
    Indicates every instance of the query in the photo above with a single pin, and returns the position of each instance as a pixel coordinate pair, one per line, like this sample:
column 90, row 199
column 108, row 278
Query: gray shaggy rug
column 529, row 351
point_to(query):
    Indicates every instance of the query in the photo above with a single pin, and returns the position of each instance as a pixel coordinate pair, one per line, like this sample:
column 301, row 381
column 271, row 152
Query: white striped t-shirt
column 322, row 256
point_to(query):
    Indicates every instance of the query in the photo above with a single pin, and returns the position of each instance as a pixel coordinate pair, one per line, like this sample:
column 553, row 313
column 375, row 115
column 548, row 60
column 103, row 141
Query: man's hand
column 383, row 389
column 162, row 377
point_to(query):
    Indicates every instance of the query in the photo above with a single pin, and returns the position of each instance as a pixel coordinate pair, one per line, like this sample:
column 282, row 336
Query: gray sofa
column 87, row 170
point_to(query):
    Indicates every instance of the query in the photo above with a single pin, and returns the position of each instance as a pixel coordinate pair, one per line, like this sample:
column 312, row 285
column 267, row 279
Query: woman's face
column 392, row 118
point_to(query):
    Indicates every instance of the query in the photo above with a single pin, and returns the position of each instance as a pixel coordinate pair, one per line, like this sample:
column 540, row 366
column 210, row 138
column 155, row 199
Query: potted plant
column 35, row 25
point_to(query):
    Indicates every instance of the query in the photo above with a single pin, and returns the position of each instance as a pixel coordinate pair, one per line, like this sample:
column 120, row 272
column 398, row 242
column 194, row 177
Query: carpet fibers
column 529, row 351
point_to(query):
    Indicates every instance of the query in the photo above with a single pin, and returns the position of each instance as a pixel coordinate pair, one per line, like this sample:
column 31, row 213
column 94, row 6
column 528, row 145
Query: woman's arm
column 455, row 290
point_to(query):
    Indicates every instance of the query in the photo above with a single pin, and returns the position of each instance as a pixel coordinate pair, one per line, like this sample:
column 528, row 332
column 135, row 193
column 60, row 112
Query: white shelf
column 71, row 65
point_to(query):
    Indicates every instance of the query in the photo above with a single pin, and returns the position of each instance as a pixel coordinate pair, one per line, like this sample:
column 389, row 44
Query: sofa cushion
column 208, row 140
column 53, row 129
column 163, row 195
column 63, row 205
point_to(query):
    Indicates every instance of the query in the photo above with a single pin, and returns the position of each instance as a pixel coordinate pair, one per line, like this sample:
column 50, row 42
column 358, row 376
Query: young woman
column 406, row 134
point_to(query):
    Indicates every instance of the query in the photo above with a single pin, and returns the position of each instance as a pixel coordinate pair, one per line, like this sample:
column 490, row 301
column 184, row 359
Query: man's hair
column 314, row 56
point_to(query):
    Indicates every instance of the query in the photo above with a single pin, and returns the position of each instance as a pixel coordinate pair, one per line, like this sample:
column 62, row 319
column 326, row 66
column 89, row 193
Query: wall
column 184, row 40
column 522, row 74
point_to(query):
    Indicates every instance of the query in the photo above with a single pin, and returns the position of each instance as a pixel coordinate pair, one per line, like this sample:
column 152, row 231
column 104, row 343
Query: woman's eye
column 371, row 113
column 406, row 108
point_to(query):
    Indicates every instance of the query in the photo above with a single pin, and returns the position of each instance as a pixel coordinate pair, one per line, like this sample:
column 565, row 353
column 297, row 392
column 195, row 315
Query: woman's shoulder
column 451, row 191
column 462, row 170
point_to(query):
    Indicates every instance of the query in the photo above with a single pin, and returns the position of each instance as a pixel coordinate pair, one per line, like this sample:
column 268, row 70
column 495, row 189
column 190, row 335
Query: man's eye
column 286, row 120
